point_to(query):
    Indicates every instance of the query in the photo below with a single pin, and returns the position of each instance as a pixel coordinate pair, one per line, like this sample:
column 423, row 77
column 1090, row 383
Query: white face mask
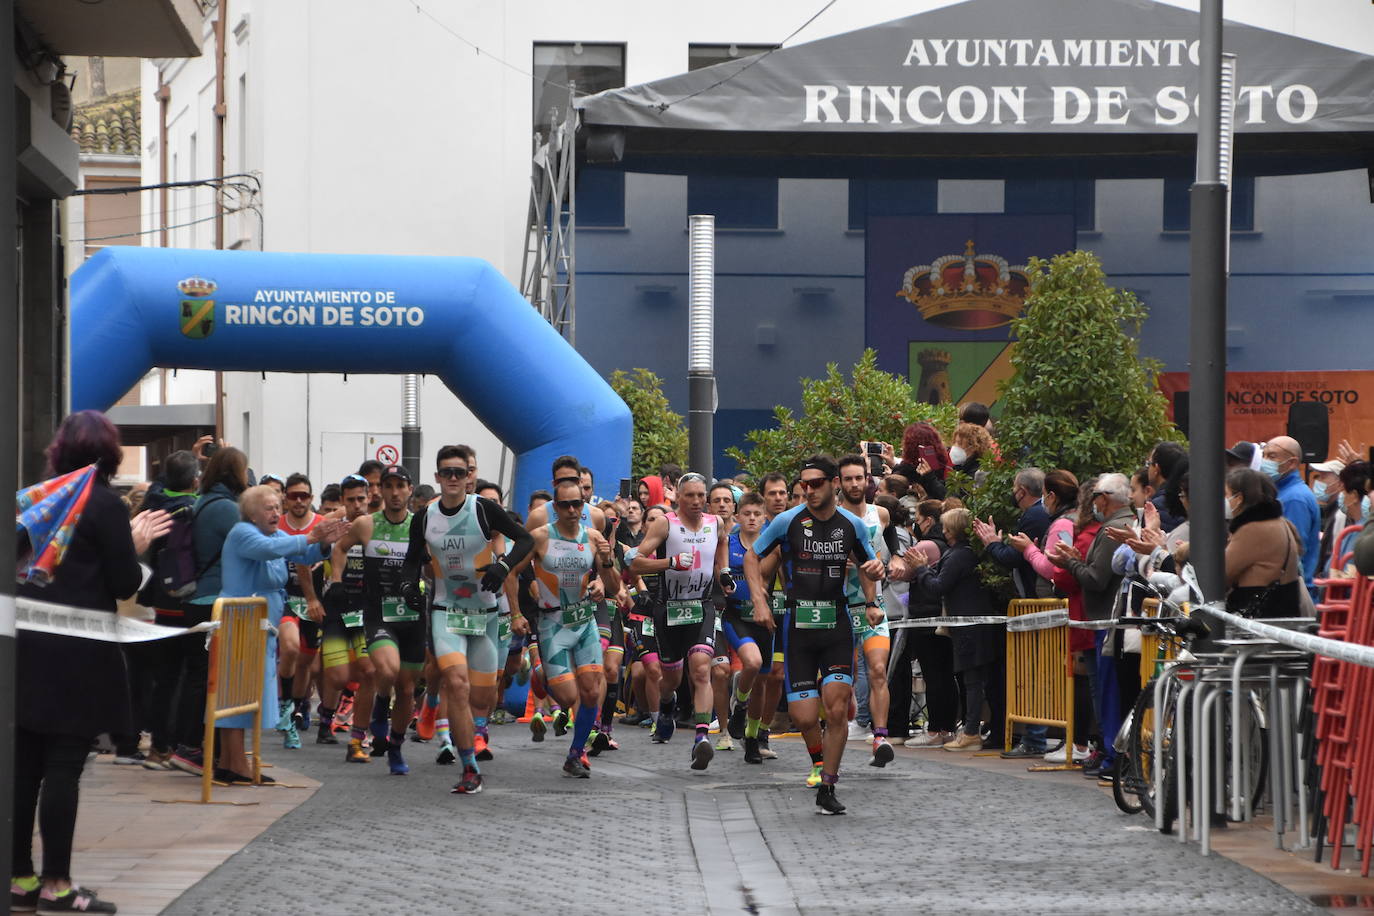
column 1226, row 512
column 957, row 455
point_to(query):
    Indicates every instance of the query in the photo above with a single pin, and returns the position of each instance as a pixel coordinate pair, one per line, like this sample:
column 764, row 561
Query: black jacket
column 932, row 483
column 72, row 686
column 955, row 580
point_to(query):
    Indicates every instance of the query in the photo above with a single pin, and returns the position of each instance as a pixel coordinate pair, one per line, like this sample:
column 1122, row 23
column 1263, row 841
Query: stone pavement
column 141, row 854
column 930, row 833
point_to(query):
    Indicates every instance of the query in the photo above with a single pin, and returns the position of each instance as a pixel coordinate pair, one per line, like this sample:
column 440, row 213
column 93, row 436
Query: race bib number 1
column 684, row 613
column 814, row 615
column 460, row 624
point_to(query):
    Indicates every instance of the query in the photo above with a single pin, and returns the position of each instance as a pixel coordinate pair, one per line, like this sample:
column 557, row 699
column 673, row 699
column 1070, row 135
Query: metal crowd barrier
column 1039, row 672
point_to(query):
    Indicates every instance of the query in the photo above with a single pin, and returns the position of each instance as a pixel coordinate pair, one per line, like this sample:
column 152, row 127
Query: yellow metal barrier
column 1149, row 642
column 1039, row 673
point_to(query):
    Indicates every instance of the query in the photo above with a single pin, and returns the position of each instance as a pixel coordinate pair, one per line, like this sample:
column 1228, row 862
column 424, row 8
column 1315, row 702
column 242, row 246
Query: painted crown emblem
column 970, row 291
column 197, row 286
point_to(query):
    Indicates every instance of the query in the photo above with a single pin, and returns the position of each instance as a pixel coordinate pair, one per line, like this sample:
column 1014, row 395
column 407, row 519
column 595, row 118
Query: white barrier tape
column 932, row 622
column 61, row 620
column 7, row 616
column 1037, row 620
column 1317, row 645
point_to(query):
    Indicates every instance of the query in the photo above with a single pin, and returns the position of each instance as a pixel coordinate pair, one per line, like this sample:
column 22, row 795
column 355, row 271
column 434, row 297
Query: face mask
column 1364, row 507
column 1097, row 514
column 957, row 455
column 1319, row 490
column 1270, row 467
column 1226, row 512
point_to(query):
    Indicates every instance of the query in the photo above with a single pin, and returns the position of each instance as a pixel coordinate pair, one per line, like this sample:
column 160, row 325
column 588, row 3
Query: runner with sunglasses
column 573, row 570
column 298, row 634
column 343, row 649
column 816, row 540
column 691, row 551
column 458, row 533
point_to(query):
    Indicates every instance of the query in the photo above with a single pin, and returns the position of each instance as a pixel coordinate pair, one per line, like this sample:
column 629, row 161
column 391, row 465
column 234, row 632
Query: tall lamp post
column 1209, row 250
column 701, row 342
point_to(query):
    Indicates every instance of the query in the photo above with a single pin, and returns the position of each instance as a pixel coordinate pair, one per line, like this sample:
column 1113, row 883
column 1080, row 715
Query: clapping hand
column 1020, row 541
column 1151, row 517
column 147, row 527
column 1348, row 454
column 915, row 558
column 1064, row 554
column 987, row 532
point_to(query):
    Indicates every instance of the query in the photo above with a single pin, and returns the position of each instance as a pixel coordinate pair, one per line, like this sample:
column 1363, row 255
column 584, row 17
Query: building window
column 977, row 195
column 737, row 202
column 589, row 68
column 699, row 56
column 1054, row 195
column 890, row 197
column 1177, row 206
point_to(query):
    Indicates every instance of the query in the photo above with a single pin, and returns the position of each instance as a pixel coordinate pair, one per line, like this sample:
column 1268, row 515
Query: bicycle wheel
column 1139, row 778
column 1254, row 745
column 1127, row 798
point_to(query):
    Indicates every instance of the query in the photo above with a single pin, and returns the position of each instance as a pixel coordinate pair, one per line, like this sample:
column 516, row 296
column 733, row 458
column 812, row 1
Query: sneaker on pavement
column 963, row 742
column 537, row 727
column 284, row 710
column 600, row 741
column 425, row 724
column 882, row 753
column 1023, row 750
column 130, row 760
column 929, row 739
column 356, row 753
column 22, row 901
column 1058, row 755
column 325, row 735
column 479, row 744
column 291, row 739
column 447, row 754
column 751, row 751
column 469, row 784
column 859, row 732
column 663, row 728
column 189, row 760
column 702, row 754
column 577, row 767
column 75, row 900
column 1095, row 764
column 724, row 743
column 766, row 752
column 560, row 723
column 395, row 760
column 158, row 760
column 827, row 802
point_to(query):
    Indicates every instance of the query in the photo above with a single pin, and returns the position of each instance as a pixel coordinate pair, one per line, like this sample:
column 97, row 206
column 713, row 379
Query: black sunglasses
column 568, row 503
column 452, row 473
column 298, row 495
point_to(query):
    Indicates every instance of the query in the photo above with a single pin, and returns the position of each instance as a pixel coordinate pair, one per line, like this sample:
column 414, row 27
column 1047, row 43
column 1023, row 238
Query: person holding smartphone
column 925, row 460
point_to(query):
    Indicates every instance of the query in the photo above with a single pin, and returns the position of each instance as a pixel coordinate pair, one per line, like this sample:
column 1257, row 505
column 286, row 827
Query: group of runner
column 745, row 594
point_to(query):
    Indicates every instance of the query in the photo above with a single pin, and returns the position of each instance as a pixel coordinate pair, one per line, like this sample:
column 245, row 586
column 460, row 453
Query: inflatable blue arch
column 458, row 318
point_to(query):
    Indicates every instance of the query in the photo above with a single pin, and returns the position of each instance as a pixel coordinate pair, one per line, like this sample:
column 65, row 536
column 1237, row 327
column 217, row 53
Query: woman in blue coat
column 254, row 562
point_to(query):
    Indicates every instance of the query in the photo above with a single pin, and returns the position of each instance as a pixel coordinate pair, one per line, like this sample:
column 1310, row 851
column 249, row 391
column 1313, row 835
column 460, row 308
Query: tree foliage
column 836, row 415
column 660, row 436
column 1082, row 398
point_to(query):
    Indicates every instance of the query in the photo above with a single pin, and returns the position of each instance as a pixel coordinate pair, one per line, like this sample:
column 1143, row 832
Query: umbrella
column 49, row 512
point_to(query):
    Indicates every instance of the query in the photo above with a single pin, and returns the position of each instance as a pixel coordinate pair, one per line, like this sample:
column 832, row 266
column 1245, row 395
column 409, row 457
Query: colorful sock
column 703, row 720
column 441, row 732
column 357, row 734
column 751, row 727
column 27, row 885
column 432, row 700
column 829, row 779
column 469, row 758
column 879, row 733
column 582, row 726
column 479, row 725
column 742, row 695
column 817, row 754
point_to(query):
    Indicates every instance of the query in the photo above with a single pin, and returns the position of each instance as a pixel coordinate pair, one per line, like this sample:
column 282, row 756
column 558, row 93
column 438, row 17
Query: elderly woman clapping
column 255, row 556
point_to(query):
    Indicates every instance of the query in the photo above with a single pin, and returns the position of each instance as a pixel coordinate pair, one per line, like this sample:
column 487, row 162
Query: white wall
column 376, row 131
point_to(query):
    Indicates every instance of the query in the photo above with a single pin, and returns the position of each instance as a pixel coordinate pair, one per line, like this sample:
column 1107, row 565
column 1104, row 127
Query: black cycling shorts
column 675, row 643
column 740, row 629
column 408, row 636
column 813, row 658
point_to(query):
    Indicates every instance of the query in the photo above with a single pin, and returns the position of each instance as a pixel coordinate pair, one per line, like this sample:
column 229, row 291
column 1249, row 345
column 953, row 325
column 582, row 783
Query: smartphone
column 210, row 449
column 626, row 487
column 874, row 448
column 1066, row 539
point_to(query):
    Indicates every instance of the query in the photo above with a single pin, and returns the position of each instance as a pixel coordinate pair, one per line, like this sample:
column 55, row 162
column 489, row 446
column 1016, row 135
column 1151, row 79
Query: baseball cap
column 396, row 470
column 1242, row 451
column 1334, row 466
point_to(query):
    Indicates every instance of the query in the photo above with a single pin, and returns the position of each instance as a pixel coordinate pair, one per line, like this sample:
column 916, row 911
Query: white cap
column 1334, row 466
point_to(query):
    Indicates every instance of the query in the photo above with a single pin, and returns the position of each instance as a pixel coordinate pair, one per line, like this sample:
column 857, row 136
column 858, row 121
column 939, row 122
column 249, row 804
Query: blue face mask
column 1097, row 514
column 1319, row 490
column 1270, row 467
column 1364, row 507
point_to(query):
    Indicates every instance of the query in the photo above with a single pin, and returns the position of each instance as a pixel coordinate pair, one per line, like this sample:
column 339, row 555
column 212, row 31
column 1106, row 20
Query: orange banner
column 1257, row 403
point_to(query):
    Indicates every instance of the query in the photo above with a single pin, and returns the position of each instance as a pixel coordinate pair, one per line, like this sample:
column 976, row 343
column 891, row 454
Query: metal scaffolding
column 549, row 268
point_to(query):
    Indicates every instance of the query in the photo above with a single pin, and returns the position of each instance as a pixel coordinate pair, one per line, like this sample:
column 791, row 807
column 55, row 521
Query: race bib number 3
column 814, row 615
column 460, row 624
column 353, row 620
column 394, row 610
column 578, row 614
column 684, row 613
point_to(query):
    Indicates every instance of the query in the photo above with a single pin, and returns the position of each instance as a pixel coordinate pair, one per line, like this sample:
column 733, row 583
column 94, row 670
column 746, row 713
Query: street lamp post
column 1209, row 247
column 9, row 424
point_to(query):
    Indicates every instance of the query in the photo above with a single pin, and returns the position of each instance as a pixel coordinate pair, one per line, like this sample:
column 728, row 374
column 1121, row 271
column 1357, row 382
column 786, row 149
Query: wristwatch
column 607, row 564
column 872, row 604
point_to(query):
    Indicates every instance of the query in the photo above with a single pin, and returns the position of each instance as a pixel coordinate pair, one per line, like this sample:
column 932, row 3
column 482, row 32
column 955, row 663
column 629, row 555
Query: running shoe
column 737, row 717
column 827, row 802
column 724, row 743
column 639, row 718
column 189, row 760
column 134, row 759
column 158, row 760
column 22, row 901
column 479, row 743
column 302, row 716
column 470, row 784
column 380, row 726
column 882, row 753
column 702, row 754
column 343, row 716
column 593, row 741
column 291, row 739
column 425, row 724
column 577, row 766
column 377, row 747
column 74, row 900
column 813, row 779
column 447, row 754
column 602, row 741
column 560, row 723
column 663, row 728
column 356, row 753
column 325, row 735
column 500, row 717
column 751, row 751
column 284, row 710
column 395, row 760
column 537, row 727
column 766, row 752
